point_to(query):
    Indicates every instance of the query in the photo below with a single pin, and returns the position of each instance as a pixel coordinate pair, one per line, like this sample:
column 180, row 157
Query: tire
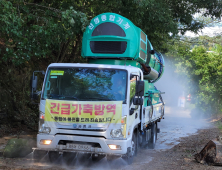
column 69, row 158
column 97, row 158
column 156, row 130
column 131, row 152
column 152, row 142
column 53, row 156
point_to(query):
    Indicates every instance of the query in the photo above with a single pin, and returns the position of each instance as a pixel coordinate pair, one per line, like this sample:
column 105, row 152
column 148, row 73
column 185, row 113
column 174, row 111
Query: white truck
column 108, row 106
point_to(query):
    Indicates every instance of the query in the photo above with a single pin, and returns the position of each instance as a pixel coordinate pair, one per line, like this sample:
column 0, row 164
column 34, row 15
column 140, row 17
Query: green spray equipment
column 113, row 39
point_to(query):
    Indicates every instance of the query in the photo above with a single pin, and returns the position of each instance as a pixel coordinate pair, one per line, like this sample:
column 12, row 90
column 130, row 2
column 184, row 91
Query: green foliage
column 203, row 69
column 35, row 33
column 31, row 37
column 38, row 31
column 219, row 125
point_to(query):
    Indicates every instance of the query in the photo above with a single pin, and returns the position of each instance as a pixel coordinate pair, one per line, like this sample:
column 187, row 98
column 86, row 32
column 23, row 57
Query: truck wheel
column 131, row 152
column 97, row 158
column 157, row 130
column 152, row 142
column 53, row 156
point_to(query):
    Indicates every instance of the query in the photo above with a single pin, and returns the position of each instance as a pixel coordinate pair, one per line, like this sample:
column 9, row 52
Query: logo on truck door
column 83, row 111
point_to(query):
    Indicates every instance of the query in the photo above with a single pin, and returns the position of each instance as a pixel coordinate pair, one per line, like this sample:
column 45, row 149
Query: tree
column 51, row 28
column 203, row 70
column 35, row 33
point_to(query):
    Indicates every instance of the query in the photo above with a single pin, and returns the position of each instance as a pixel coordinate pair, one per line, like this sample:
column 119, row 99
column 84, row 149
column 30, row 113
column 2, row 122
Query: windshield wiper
column 69, row 97
column 55, row 96
column 98, row 98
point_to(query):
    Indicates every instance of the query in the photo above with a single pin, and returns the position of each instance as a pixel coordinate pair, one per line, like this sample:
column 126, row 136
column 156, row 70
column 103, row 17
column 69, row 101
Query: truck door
column 134, row 109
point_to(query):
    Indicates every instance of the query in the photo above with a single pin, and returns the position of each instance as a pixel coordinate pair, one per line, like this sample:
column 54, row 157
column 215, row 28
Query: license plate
column 78, row 147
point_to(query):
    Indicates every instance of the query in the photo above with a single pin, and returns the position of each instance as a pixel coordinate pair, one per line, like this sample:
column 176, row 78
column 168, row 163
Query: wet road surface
column 178, row 123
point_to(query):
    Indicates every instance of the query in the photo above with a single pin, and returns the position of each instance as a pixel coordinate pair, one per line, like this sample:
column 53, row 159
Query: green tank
column 113, row 39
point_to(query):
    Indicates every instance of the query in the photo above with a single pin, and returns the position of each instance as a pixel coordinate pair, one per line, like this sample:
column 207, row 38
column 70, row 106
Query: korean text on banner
column 83, row 111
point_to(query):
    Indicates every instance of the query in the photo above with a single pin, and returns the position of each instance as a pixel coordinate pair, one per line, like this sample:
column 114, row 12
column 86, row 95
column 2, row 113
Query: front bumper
column 102, row 150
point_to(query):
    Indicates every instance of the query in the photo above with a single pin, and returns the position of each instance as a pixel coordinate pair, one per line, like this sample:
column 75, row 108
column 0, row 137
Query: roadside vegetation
column 35, row 33
column 199, row 59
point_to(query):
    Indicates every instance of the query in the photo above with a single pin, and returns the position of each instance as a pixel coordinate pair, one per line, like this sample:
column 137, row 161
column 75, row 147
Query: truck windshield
column 85, row 84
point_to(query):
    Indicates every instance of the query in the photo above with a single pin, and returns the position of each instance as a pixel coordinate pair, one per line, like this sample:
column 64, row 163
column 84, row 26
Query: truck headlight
column 42, row 127
column 116, row 133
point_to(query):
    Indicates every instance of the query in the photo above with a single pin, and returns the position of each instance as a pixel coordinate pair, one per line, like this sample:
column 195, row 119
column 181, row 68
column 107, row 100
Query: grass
column 219, row 124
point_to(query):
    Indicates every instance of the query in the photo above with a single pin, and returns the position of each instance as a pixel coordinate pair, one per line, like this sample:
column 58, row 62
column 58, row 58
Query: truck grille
column 64, row 142
column 81, row 135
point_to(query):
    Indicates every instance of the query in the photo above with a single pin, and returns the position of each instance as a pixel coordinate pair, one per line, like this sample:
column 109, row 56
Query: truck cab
column 82, row 102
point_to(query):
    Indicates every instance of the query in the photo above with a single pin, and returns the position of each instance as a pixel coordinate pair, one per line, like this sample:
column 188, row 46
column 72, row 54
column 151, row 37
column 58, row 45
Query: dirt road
column 177, row 142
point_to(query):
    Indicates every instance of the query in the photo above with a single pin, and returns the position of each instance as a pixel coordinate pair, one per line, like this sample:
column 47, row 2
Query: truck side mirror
column 137, row 101
column 140, row 88
column 34, row 83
